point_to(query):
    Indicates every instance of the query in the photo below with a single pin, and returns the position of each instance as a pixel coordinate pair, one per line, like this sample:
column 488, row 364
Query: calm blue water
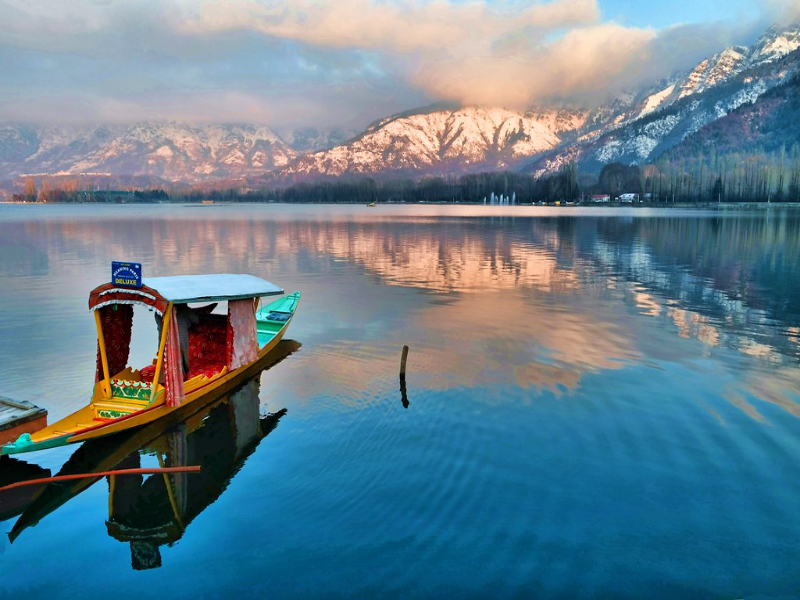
column 601, row 404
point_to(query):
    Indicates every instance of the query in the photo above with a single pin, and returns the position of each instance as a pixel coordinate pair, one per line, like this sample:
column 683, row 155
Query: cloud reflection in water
column 532, row 302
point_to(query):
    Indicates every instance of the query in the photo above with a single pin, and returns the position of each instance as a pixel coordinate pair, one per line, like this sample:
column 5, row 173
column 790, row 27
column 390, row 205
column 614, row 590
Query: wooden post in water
column 403, row 362
column 403, row 395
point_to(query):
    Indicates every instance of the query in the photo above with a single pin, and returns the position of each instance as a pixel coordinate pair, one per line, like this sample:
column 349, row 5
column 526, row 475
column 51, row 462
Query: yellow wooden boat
column 201, row 355
column 112, row 453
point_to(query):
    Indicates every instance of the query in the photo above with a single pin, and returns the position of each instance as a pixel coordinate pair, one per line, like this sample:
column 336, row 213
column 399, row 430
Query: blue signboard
column 126, row 274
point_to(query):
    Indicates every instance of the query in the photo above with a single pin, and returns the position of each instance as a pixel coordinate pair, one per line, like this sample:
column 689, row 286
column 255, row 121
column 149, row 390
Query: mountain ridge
column 643, row 138
column 171, row 151
column 634, row 126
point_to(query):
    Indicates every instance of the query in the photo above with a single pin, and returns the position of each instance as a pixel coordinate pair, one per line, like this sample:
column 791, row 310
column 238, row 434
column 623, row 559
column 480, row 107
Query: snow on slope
column 173, row 151
column 668, row 115
column 632, row 126
column 776, row 43
column 448, row 140
column 653, row 101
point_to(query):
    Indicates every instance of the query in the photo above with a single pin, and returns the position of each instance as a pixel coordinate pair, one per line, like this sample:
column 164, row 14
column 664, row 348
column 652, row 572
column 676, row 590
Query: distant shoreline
column 608, row 205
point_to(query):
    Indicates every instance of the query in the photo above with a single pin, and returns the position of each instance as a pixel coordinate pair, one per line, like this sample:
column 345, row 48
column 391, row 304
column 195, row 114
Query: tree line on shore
column 752, row 176
column 65, row 190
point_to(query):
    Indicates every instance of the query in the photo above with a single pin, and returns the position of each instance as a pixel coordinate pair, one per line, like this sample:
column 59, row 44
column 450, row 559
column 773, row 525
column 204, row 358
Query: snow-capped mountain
column 172, row 151
column 769, row 124
column 655, row 120
column 442, row 140
column 721, row 68
column 635, row 126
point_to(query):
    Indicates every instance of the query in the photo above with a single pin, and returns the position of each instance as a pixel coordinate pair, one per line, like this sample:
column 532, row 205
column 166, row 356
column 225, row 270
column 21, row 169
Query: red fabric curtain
column 173, row 364
column 242, row 333
column 110, row 294
column 117, row 323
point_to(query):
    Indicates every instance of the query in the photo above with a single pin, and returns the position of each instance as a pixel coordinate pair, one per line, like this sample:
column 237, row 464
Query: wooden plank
column 7, row 412
column 11, row 418
column 18, row 417
column 15, row 403
column 15, row 412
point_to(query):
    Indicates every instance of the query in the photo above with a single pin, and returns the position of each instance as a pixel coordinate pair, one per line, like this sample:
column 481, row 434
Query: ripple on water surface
column 598, row 407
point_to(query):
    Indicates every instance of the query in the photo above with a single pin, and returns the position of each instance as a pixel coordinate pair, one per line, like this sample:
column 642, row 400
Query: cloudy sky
column 344, row 63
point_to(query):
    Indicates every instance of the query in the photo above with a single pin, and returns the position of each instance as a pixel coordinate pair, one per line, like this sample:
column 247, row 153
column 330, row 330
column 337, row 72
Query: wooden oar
column 194, row 469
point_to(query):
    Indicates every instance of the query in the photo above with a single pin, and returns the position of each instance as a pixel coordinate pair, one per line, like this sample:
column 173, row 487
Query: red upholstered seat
column 207, row 342
column 198, row 367
column 147, row 373
column 208, row 348
column 205, row 367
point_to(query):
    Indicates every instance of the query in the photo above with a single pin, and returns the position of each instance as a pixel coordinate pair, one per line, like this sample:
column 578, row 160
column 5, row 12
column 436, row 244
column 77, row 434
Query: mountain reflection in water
column 514, row 290
column 598, row 404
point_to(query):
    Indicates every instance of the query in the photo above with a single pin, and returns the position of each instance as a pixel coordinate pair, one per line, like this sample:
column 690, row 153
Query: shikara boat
column 201, row 355
column 240, row 414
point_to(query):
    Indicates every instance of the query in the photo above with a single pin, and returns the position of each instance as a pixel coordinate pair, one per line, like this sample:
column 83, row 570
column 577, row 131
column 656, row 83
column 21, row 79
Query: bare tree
column 30, row 190
column 44, row 193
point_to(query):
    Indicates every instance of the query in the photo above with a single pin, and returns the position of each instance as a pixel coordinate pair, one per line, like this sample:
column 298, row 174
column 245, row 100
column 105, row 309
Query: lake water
column 599, row 404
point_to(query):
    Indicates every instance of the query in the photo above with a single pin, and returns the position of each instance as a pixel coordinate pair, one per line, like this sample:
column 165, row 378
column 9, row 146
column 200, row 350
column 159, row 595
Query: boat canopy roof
column 206, row 288
column 157, row 292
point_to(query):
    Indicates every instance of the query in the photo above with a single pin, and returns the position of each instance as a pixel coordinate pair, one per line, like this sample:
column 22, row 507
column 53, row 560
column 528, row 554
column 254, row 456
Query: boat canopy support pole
column 161, row 346
column 103, row 356
column 112, row 485
column 171, row 494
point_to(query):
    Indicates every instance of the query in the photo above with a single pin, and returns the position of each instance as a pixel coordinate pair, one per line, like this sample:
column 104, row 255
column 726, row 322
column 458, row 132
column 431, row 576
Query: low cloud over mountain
column 633, row 126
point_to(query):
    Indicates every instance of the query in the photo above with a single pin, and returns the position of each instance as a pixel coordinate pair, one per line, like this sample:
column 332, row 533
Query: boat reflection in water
column 155, row 511
column 150, row 511
column 15, row 501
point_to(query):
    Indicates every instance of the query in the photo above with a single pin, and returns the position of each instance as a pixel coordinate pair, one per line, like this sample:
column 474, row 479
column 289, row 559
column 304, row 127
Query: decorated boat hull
column 272, row 321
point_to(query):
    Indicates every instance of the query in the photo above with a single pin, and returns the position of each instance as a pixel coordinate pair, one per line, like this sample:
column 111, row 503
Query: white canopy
column 211, row 288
